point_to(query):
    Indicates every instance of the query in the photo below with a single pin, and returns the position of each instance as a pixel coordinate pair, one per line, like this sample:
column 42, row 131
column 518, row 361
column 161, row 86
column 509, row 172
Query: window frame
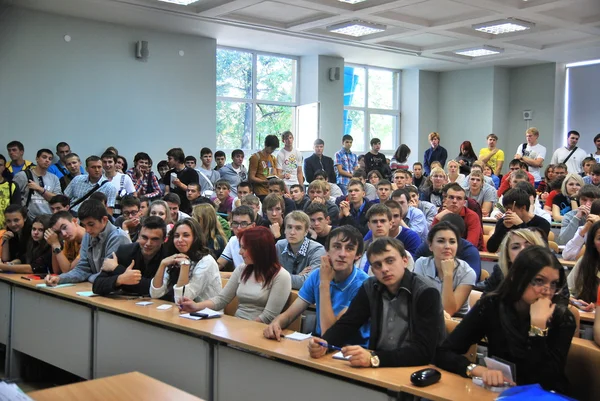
column 368, row 111
column 254, row 101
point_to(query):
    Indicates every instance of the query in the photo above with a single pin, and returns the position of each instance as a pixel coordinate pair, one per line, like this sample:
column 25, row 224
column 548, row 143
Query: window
column 256, row 96
column 371, row 106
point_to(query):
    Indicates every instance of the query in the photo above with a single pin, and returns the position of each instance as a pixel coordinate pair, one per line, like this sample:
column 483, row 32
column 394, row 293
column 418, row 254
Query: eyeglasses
column 540, row 283
column 130, row 214
column 236, row 224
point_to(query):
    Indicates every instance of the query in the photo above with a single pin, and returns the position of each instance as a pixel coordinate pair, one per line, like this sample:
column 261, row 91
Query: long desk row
column 218, row 359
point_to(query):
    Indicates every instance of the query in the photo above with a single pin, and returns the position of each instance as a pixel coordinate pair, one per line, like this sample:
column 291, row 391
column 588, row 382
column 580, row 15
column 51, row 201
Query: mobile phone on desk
column 33, row 277
column 199, row 314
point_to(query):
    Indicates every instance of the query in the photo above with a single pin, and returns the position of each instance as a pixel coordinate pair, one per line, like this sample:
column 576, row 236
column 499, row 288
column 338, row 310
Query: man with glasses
column 242, row 218
column 455, row 202
column 129, row 220
column 37, row 185
column 132, row 267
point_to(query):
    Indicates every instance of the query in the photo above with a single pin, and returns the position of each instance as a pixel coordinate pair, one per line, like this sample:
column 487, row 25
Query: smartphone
column 199, row 314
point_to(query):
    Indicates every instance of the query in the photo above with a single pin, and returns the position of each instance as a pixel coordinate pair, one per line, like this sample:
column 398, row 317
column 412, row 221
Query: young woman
column 121, row 164
column 525, row 321
column 583, row 280
column 487, row 171
column 38, row 258
column 261, row 285
column 374, row 177
column 216, row 239
column 567, row 199
column 485, row 195
column 190, row 270
column 453, row 175
column 548, row 178
column 453, row 277
column 466, row 157
column 400, row 158
column 512, row 244
column 17, row 234
column 160, row 208
column 433, row 192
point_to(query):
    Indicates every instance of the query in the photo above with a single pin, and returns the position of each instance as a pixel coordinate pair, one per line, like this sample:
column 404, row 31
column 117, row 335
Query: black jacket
column 426, row 325
column 312, row 164
column 357, row 217
column 500, row 231
column 106, row 282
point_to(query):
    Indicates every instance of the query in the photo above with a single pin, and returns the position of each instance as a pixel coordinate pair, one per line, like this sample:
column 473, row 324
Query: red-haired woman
column 466, row 157
column 261, row 285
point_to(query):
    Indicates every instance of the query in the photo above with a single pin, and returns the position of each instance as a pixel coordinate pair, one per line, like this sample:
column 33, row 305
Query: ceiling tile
column 424, row 40
column 577, row 12
column 551, row 38
column 440, row 10
column 279, row 12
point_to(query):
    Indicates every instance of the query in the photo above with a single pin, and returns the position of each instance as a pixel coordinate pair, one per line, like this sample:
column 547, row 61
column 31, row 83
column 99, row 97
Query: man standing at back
column 37, row 185
column 234, row 172
column 262, row 166
column 83, row 186
column 289, row 161
column 532, row 153
column 570, row 155
column 16, row 150
column 318, row 162
column 345, row 163
column 59, row 168
column 492, row 156
column 178, row 177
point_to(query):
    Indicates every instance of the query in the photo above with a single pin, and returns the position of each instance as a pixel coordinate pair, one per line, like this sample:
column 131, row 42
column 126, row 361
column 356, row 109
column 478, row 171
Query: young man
column 333, row 190
column 532, row 153
column 190, row 161
column 483, row 193
column 298, row 254
column 179, row 176
column 399, row 230
column 129, row 221
column 234, row 172
column 577, row 218
column 516, row 202
column 455, row 202
column 596, row 155
column 133, row 266
column 37, row 185
column 99, row 242
column 289, row 161
column 219, row 160
column 513, row 166
column 418, row 178
column 59, row 168
column 222, row 200
column 370, row 190
column 429, row 210
column 492, row 156
column 206, row 156
column 401, row 179
column 273, row 208
column 58, row 203
column 262, row 166
column 375, row 160
column 353, row 211
column 594, row 177
column 299, row 196
column 244, row 188
column 16, row 150
column 82, row 186
column 331, row 287
column 384, row 191
column 435, row 153
column 412, row 217
column 122, row 182
column 277, row 186
column 396, row 302
column 319, row 162
column 242, row 218
column 17, row 235
column 345, row 163
column 66, row 256
column 317, row 191
column 379, row 221
column 320, row 224
column 193, row 193
column 570, row 155
column 174, row 202
column 74, row 168
column 144, row 180
column 253, row 203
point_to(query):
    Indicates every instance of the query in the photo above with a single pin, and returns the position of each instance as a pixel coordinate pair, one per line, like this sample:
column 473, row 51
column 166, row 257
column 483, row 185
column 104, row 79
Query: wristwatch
column 374, row 360
column 536, row 331
column 57, row 250
column 470, row 369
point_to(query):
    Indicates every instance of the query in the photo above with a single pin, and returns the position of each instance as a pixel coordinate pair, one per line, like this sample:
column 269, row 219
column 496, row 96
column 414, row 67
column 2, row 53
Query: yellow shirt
column 5, row 198
column 493, row 162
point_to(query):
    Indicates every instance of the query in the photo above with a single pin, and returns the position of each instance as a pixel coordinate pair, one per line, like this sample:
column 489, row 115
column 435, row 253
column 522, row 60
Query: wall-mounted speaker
column 141, row 50
column 334, row 74
column 527, row 115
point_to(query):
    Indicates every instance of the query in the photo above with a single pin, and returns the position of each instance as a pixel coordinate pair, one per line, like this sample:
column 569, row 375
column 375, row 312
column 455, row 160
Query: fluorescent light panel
column 351, row 1
column 180, row 2
column 356, row 28
column 500, row 27
column 479, row 51
column 583, row 63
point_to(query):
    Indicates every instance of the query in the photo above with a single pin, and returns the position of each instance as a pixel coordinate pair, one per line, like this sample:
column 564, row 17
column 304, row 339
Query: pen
column 182, row 295
column 328, row 346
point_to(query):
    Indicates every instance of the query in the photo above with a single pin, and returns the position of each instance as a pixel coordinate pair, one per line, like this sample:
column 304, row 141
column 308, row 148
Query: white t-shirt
column 128, row 187
column 533, row 152
column 289, row 163
column 232, row 252
column 574, row 162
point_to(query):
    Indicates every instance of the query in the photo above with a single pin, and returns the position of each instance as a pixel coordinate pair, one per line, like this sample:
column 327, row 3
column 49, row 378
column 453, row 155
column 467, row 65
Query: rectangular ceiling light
column 180, row 2
column 503, row 26
column 351, row 1
column 356, row 28
column 479, row 51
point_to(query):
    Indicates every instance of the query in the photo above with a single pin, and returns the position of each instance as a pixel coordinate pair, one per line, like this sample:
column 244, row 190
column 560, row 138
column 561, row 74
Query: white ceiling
column 420, row 33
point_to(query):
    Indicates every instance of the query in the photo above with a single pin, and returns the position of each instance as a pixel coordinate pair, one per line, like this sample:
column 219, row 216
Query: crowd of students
column 384, row 252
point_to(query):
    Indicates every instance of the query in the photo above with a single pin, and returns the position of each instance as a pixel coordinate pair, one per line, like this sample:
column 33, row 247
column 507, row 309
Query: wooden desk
column 569, row 264
column 587, row 317
column 126, row 387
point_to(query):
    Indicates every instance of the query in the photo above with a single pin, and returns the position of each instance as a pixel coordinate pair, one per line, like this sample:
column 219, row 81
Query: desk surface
column 587, row 316
column 127, row 387
column 248, row 335
column 494, row 257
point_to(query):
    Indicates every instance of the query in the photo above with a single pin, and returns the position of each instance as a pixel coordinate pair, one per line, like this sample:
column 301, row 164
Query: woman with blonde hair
column 160, row 208
column 216, row 239
column 567, row 199
column 513, row 243
column 453, row 168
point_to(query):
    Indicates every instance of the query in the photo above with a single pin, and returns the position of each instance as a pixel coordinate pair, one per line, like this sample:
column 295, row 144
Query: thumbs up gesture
column 131, row 276
column 110, row 263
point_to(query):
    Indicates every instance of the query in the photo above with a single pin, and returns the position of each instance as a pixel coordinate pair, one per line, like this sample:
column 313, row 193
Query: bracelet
column 536, row 331
column 43, row 191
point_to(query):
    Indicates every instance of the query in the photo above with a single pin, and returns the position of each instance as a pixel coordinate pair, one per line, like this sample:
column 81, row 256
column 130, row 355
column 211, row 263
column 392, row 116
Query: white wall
column 584, row 104
column 93, row 93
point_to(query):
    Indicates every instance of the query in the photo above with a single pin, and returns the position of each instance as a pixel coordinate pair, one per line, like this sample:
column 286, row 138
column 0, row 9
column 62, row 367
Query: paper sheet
column 86, row 294
column 188, row 316
column 144, row 303
column 56, row 286
column 298, row 336
column 339, row 355
column 164, row 307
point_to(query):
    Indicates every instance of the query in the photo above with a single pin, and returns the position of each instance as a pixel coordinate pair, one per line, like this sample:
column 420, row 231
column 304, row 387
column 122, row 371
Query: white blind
column 583, row 105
